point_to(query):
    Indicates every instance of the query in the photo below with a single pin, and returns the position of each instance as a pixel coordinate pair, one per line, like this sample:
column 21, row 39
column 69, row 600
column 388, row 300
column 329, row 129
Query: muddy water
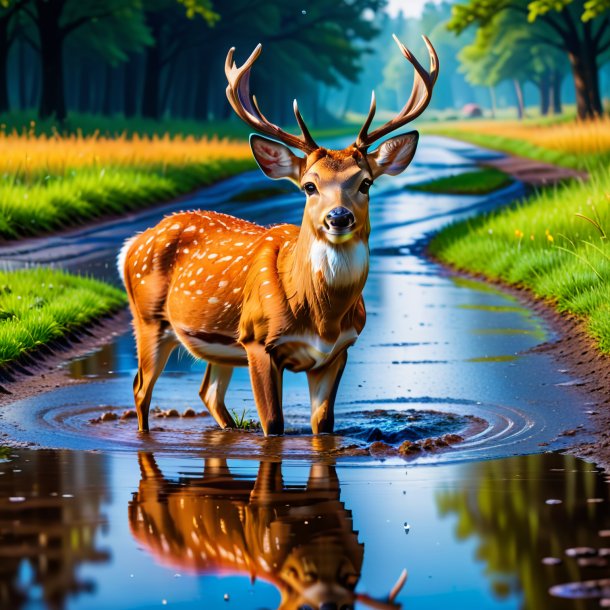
column 91, row 530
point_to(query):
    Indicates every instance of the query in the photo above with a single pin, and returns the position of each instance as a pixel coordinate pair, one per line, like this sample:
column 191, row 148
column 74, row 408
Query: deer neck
column 324, row 281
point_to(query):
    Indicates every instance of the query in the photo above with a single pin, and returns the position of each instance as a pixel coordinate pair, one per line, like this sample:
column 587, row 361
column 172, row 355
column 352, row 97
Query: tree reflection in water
column 300, row 538
column 503, row 503
column 49, row 519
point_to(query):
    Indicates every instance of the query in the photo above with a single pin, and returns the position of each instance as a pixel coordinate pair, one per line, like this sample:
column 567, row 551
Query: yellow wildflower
column 550, row 237
column 518, row 234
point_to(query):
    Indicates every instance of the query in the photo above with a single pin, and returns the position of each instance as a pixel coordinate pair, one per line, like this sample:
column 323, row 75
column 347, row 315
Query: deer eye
column 365, row 186
column 310, row 188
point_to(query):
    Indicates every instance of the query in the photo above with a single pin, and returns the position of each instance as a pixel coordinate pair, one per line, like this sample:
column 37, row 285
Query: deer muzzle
column 339, row 224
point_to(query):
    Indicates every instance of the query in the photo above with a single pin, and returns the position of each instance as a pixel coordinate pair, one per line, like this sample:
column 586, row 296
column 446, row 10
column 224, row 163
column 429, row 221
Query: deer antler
column 423, row 83
column 246, row 106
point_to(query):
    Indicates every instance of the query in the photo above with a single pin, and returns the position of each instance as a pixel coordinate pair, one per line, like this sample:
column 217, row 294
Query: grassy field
column 51, row 182
column 576, row 144
column 480, row 182
column 554, row 243
column 38, row 306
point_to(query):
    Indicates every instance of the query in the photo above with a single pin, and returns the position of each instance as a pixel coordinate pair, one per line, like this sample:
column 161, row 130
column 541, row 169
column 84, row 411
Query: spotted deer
column 234, row 293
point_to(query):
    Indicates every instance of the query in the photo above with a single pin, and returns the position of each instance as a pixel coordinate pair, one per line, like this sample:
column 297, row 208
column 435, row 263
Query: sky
column 411, row 8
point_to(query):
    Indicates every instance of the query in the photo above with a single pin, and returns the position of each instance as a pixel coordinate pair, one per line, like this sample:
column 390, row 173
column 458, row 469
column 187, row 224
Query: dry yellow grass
column 574, row 137
column 27, row 156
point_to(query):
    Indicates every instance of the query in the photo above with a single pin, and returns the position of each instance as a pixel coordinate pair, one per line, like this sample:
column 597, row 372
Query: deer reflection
column 299, row 538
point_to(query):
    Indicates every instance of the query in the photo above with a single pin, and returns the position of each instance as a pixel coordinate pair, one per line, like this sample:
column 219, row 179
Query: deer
column 299, row 538
column 276, row 298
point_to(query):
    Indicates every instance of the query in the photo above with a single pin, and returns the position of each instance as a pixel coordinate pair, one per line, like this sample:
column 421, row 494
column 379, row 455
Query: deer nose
column 340, row 218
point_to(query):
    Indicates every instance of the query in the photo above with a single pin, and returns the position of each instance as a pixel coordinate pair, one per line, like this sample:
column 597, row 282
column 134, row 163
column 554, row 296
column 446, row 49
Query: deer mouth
column 339, row 235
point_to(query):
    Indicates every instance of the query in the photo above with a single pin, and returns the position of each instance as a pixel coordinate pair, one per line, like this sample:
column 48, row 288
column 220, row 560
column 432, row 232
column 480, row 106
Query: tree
column 56, row 21
column 578, row 28
column 173, row 31
column 9, row 13
column 503, row 51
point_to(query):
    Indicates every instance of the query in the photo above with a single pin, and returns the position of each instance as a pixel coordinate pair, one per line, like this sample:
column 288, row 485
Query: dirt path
column 534, row 173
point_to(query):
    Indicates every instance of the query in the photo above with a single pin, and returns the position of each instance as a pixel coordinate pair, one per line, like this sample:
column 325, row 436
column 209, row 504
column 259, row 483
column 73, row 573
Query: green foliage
column 40, row 305
column 480, row 182
column 203, row 8
column 554, row 244
column 594, row 8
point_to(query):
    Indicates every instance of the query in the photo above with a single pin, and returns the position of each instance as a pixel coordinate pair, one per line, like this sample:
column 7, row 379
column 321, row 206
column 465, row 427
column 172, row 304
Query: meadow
column 50, row 182
column 38, row 306
column 480, row 182
column 555, row 242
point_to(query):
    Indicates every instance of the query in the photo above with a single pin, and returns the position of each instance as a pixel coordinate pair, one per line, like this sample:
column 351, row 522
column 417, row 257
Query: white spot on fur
column 212, row 300
column 341, row 264
column 222, row 284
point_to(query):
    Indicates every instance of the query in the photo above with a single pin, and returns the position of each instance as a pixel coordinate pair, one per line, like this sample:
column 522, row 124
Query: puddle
column 84, row 530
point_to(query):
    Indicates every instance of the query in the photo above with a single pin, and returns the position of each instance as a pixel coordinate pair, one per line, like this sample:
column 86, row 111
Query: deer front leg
column 266, row 380
column 323, row 385
column 213, row 389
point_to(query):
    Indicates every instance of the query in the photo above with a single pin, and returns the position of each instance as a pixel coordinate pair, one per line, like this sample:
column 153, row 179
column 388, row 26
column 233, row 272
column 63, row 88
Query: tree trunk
column 23, row 75
column 4, row 47
column 130, row 88
column 152, row 72
column 544, row 88
column 84, row 88
column 202, row 97
column 52, row 101
column 556, row 81
column 106, row 108
column 492, row 95
column 519, row 96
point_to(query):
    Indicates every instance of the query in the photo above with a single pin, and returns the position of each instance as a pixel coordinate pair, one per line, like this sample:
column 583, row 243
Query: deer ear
column 394, row 155
column 275, row 159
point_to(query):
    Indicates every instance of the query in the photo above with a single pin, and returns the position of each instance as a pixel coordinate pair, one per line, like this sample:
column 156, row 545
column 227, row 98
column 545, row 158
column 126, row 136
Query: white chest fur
column 341, row 264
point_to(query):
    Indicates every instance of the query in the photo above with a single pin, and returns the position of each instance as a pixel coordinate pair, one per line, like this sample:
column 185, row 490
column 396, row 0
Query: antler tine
column 360, row 140
column 246, row 106
column 421, row 94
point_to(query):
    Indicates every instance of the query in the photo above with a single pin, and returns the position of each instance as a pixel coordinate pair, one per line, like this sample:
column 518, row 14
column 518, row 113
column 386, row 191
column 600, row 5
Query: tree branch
column 70, row 27
column 603, row 26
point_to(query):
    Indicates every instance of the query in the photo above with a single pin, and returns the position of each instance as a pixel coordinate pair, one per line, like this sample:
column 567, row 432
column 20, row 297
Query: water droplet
column 551, row 561
column 226, row 597
column 303, row 12
column 552, row 501
column 407, row 528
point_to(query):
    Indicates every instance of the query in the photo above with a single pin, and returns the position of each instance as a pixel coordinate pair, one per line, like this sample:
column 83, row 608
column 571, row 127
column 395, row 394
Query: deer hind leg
column 213, row 389
column 266, row 380
column 323, row 386
column 154, row 348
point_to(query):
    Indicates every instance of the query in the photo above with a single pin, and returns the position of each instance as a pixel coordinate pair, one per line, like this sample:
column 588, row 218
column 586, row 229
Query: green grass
column 480, row 182
column 51, row 203
column 554, row 243
column 38, row 306
column 519, row 148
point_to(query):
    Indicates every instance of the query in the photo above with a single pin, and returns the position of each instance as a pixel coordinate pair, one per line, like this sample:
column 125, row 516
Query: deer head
column 336, row 182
